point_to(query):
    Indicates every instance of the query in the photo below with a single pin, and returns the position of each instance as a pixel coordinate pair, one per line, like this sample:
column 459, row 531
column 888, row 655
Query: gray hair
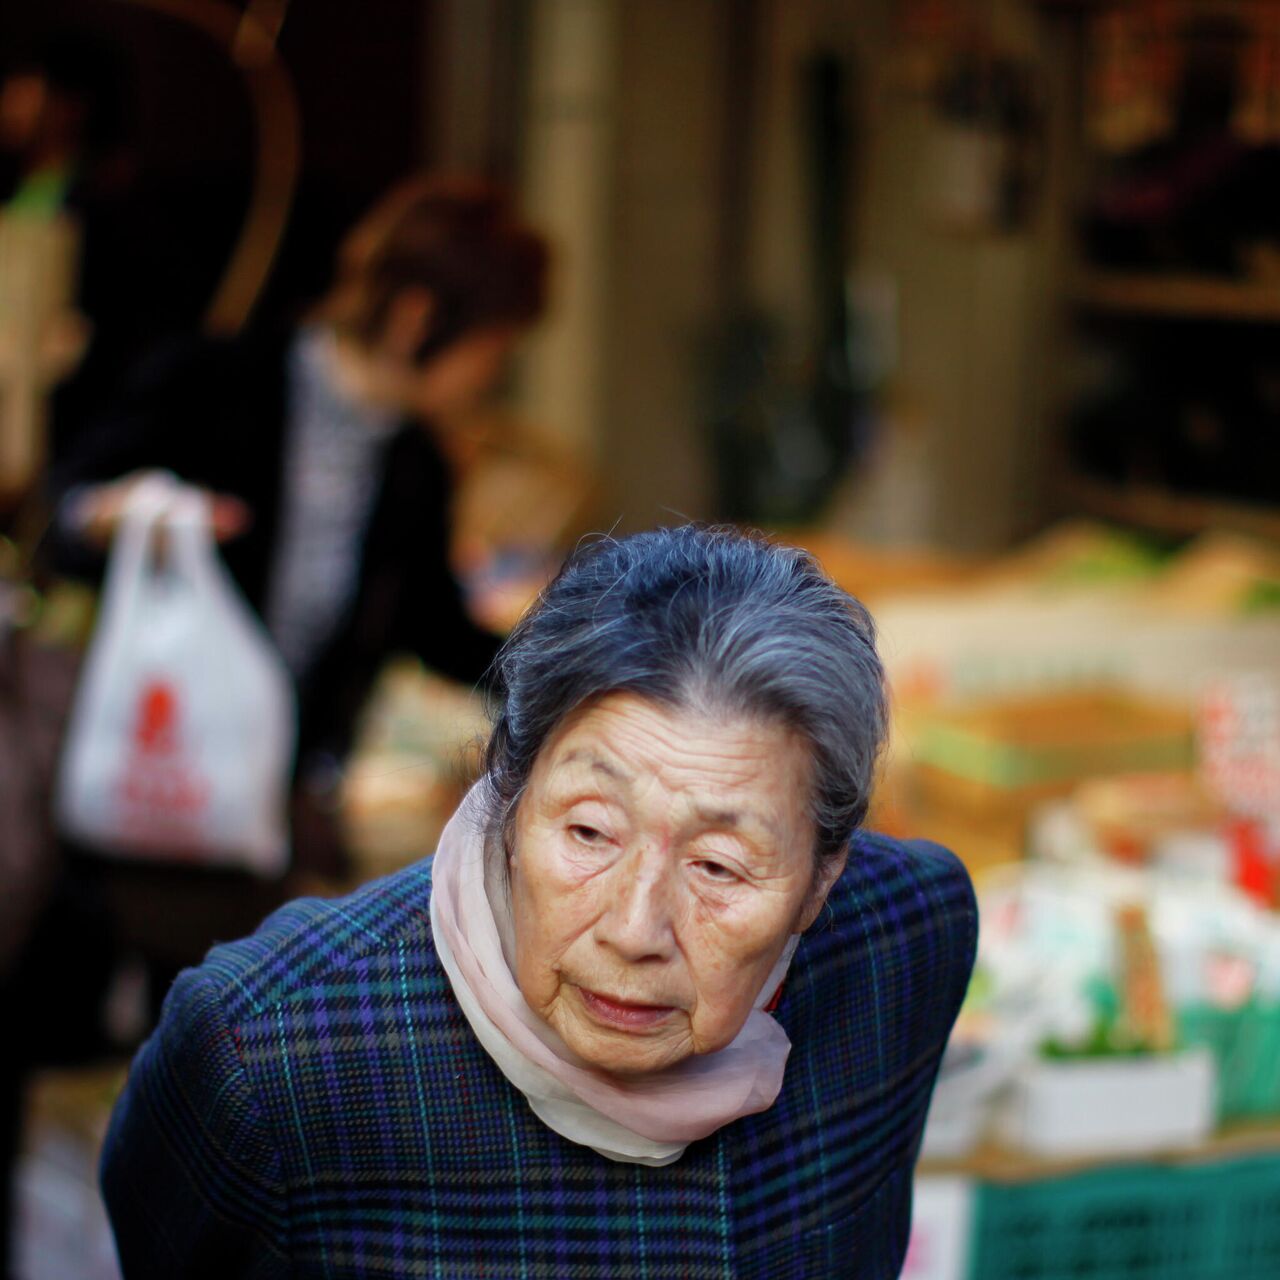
column 703, row 618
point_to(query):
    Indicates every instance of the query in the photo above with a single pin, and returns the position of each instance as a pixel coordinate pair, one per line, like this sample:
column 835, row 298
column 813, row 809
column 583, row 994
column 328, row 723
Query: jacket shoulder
column 903, row 925
column 311, row 941
column 918, row 882
column 868, row 1005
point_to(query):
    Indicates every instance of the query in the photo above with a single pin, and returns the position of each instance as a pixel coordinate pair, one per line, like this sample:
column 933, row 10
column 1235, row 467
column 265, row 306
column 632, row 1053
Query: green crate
column 1246, row 1044
column 1144, row 1222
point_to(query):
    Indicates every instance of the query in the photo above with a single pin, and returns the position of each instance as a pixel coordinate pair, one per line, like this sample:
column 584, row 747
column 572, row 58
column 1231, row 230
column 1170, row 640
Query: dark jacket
column 215, row 413
column 315, row 1104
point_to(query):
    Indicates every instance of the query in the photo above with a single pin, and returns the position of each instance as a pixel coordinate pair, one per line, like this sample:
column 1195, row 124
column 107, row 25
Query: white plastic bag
column 182, row 732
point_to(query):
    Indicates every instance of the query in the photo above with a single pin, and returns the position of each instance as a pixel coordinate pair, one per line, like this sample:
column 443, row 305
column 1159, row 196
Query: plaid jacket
column 314, row 1104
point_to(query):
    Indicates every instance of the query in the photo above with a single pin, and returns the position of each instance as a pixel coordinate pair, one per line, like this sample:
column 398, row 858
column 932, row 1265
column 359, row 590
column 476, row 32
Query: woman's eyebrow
column 748, row 823
column 597, row 763
column 727, row 818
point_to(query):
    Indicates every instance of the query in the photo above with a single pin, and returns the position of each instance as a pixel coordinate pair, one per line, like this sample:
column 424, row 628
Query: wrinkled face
column 661, row 861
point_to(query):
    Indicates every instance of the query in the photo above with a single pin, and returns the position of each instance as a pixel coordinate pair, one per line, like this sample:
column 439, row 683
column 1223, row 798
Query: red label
column 155, row 727
column 161, row 797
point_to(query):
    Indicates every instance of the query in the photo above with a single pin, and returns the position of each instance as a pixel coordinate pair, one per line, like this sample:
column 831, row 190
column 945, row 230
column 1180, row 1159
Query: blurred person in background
column 61, row 106
column 65, row 112
column 319, row 446
column 70, row 299
column 331, row 497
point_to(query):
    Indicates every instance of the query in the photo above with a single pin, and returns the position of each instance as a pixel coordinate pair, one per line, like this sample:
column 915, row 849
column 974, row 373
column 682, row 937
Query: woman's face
column 456, row 378
column 662, row 859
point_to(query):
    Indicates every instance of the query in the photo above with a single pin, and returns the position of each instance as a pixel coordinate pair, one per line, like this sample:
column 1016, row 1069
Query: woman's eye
column 587, row 835
column 717, row 871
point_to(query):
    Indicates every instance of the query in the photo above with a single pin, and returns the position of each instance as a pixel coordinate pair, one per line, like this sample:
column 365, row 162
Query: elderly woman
column 656, row 1007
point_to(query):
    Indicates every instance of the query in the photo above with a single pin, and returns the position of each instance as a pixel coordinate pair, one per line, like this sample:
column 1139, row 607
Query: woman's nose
column 637, row 922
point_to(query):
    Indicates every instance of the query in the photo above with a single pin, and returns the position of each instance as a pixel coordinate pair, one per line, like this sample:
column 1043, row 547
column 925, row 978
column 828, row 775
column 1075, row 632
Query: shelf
column 993, row 1162
column 1162, row 511
column 1179, row 296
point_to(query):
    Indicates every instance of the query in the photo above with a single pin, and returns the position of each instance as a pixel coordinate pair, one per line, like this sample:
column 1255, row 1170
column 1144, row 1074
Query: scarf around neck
column 641, row 1120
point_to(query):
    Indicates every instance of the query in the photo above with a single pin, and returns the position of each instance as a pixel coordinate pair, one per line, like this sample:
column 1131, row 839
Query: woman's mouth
column 622, row 1013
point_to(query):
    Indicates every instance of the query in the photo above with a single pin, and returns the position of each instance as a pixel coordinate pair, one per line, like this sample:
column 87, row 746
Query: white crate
column 1112, row 1106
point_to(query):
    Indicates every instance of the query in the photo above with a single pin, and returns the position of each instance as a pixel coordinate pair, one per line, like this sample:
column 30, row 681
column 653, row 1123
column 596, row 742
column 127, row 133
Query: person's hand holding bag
column 96, row 511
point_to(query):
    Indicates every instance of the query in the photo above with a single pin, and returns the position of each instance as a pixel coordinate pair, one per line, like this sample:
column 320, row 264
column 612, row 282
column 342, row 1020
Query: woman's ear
column 828, row 872
column 411, row 317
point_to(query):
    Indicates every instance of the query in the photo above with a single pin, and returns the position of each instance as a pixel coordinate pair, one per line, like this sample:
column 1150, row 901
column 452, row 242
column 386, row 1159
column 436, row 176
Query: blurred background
column 978, row 300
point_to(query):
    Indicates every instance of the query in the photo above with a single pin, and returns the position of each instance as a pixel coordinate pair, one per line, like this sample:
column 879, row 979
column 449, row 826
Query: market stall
column 1093, row 723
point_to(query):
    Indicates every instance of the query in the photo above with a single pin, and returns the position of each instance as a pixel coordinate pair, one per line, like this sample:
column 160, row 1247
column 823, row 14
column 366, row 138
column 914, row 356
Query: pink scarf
column 644, row 1120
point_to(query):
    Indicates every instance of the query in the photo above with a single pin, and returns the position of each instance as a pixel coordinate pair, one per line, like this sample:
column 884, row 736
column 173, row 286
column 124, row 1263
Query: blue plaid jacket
column 314, row 1104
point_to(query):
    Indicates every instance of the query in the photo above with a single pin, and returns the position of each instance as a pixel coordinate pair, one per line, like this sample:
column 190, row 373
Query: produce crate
column 1012, row 753
column 1246, row 1044
column 1216, row 1221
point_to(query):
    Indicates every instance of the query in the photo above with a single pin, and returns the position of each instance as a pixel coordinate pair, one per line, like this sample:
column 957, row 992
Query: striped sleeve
column 190, row 1175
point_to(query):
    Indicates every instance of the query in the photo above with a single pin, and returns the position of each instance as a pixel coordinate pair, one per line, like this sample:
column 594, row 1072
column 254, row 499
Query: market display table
column 1212, row 1213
